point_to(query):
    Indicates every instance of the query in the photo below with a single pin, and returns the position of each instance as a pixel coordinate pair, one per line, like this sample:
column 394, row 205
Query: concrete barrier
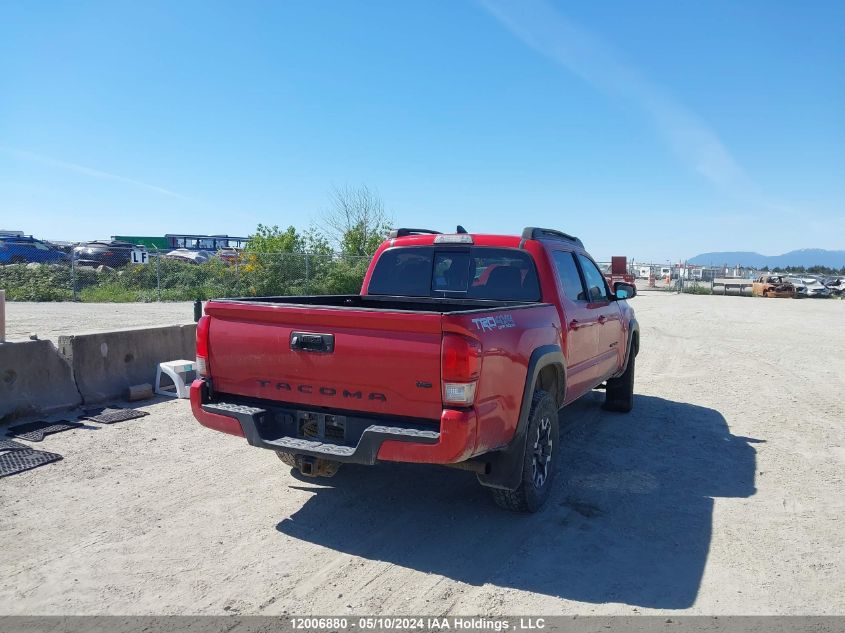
column 105, row 364
column 34, row 378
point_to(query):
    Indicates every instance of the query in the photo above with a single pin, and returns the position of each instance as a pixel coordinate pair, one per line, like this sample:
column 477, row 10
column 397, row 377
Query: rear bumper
column 381, row 440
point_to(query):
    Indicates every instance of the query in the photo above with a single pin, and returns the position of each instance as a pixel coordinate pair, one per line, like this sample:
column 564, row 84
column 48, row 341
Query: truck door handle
column 602, row 318
column 308, row 342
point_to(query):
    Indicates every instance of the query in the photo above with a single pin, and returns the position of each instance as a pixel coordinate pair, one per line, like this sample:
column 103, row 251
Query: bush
column 173, row 280
column 39, row 283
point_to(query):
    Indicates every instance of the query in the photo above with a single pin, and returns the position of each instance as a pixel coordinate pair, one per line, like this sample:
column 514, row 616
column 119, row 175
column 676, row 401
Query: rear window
column 501, row 274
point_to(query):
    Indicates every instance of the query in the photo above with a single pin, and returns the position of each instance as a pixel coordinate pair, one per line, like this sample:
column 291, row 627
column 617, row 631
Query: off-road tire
column 542, row 445
column 619, row 395
column 287, row 458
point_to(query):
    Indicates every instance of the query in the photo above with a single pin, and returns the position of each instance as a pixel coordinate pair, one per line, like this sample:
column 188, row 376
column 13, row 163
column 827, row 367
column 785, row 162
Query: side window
column 595, row 280
column 569, row 277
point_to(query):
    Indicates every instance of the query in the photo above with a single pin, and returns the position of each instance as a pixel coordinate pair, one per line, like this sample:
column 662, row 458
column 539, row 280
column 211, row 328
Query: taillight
column 460, row 367
column 202, row 346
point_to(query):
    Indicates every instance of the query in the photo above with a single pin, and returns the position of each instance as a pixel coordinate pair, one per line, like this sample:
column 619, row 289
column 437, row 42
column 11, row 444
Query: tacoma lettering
column 330, row 392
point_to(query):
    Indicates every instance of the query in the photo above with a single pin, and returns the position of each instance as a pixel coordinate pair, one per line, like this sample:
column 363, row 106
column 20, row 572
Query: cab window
column 570, row 278
column 481, row 272
column 596, row 287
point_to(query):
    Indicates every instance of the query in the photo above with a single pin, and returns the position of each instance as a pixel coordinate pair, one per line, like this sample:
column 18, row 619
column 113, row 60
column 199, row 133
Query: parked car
column 772, row 286
column 114, row 253
column 190, row 256
column 22, row 249
column 459, row 350
column 809, row 287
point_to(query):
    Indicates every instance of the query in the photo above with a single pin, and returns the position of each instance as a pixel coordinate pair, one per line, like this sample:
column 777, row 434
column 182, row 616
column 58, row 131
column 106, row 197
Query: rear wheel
column 619, row 395
column 540, row 459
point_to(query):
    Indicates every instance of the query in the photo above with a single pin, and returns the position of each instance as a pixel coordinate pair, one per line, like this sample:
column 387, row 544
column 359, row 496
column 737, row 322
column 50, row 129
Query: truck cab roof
column 426, row 237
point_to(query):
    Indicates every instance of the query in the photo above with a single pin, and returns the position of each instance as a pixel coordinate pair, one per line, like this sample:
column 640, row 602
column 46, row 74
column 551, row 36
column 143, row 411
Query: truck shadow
column 629, row 520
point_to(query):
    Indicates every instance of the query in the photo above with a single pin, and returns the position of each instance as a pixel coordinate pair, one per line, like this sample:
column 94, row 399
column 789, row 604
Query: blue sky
column 652, row 129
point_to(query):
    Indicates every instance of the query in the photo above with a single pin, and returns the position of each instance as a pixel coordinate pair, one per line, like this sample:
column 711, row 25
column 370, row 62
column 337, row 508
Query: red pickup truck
column 459, row 351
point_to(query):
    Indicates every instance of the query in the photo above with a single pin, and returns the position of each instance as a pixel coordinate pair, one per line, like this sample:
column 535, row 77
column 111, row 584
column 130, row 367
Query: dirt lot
column 722, row 493
column 51, row 320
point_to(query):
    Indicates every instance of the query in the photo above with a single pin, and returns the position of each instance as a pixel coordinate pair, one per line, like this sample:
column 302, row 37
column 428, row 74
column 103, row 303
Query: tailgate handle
column 309, row 342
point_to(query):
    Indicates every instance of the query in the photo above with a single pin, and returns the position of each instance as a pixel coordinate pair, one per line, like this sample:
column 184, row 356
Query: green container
column 159, row 243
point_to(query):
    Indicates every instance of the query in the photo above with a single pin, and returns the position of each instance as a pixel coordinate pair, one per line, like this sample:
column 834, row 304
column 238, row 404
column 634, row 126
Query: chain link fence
column 670, row 277
column 31, row 270
column 115, row 271
column 683, row 277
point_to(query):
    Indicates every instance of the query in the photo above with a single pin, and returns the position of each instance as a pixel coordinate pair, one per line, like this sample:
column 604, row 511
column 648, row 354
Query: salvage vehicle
column 23, row 249
column 113, row 253
column 459, row 350
column 836, row 285
column 810, row 287
column 772, row 286
column 190, row 256
column 816, row 288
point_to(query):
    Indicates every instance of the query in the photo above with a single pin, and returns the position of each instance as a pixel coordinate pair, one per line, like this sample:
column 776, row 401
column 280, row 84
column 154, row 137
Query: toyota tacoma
column 459, row 350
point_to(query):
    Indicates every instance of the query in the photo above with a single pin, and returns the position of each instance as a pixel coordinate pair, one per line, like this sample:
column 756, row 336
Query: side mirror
column 624, row 291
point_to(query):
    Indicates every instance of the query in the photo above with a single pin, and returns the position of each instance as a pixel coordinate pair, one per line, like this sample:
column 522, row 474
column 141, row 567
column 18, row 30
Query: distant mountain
column 804, row 257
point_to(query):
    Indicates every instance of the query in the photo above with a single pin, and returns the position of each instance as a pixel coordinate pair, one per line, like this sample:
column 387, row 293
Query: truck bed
column 382, row 355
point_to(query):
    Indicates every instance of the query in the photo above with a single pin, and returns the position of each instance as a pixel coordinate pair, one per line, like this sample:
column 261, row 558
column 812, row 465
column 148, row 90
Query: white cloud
column 89, row 171
column 546, row 30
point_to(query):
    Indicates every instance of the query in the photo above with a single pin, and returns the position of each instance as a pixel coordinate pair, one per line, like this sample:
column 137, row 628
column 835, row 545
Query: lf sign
column 139, row 256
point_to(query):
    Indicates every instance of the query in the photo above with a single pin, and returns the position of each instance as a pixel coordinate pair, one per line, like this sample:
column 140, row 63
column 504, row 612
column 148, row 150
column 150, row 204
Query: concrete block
column 106, row 364
column 34, row 378
column 140, row 392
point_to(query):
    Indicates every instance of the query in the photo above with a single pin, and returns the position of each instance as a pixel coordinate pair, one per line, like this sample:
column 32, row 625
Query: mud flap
column 505, row 466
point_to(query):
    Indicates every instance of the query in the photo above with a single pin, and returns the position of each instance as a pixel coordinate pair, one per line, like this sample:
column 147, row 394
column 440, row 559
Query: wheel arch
column 546, row 370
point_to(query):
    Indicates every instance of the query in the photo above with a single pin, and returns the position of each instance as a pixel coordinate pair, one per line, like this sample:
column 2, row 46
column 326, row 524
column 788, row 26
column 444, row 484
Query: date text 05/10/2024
column 418, row 623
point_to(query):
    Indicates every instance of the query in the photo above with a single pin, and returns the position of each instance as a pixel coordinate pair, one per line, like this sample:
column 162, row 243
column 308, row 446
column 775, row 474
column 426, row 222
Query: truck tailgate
column 380, row 361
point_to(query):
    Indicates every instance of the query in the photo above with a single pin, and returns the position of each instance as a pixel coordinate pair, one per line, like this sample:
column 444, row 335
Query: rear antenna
column 461, row 229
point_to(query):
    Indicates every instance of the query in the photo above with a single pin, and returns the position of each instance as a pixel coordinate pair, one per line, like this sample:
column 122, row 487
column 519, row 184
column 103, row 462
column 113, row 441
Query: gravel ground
column 51, row 320
column 721, row 493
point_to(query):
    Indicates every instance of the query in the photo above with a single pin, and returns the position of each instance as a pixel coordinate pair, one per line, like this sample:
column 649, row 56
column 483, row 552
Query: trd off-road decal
column 498, row 322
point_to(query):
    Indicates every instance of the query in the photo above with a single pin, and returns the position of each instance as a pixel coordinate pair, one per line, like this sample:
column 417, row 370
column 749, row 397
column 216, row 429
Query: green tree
column 272, row 239
column 316, row 243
